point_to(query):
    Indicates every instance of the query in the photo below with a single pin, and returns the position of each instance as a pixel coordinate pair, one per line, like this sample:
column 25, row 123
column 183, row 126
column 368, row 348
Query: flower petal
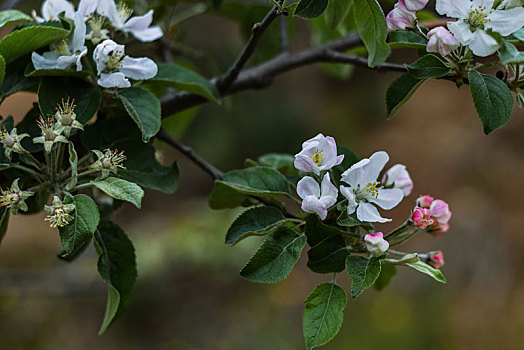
column 353, row 174
column 49, row 60
column 462, row 32
column 388, row 198
column 79, row 35
column 113, row 80
column 308, row 186
column 108, row 8
column 311, row 204
column 139, row 22
column 368, row 213
column 52, row 8
column 377, row 161
column 483, row 44
column 139, row 68
column 306, row 164
column 453, row 8
column 328, row 189
column 506, row 22
column 147, row 35
column 87, row 7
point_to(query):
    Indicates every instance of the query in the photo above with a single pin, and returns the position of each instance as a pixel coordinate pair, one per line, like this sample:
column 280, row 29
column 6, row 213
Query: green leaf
column 508, row 53
column 371, row 25
column 13, row 16
column 85, row 221
column 30, row 71
column 225, row 197
column 323, row 314
column 492, row 98
column 310, row 8
column 336, row 12
column 349, row 220
column 4, row 221
column 117, row 267
column 399, row 92
column 275, row 258
column 281, row 162
column 257, row 221
column 2, row 69
column 257, row 181
column 428, row 270
column 387, row 273
column 121, row 189
column 404, row 38
column 144, row 108
column 14, row 79
column 184, row 79
column 363, row 273
column 328, row 256
column 316, row 231
column 25, row 40
column 53, row 90
column 428, row 66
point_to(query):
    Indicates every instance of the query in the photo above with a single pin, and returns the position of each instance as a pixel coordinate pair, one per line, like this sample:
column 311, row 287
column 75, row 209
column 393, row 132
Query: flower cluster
column 432, row 215
column 113, row 66
column 404, row 14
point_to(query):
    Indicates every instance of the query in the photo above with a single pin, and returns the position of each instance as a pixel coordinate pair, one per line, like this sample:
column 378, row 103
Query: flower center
column 124, row 12
column 96, row 23
column 62, row 48
column 113, row 159
column 7, row 139
column 478, row 17
column 317, row 157
column 372, row 188
column 47, row 127
column 115, row 59
column 66, row 112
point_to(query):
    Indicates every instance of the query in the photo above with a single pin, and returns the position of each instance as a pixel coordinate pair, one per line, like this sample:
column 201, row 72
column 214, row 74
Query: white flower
column 376, row 244
column 316, row 199
column 51, row 9
column 114, row 67
column 475, row 18
column 441, row 41
column 364, row 190
column 67, row 52
column 398, row 177
column 318, row 154
column 139, row 26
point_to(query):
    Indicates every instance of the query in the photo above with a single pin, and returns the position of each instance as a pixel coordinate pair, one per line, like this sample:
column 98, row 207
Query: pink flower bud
column 398, row 177
column 440, row 211
column 413, row 5
column 400, row 18
column 424, row 201
column 376, row 244
column 421, row 218
column 436, row 259
column 437, row 229
column 441, row 41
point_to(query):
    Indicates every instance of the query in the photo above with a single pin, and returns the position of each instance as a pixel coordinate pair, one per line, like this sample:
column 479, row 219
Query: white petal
column 139, row 22
column 313, row 142
column 328, row 189
column 453, row 8
column 147, row 35
column 113, row 80
column 352, row 175
column 139, row 68
column 388, row 198
column 311, row 204
column 483, row 44
column 65, row 62
column 108, row 8
column 87, row 7
column 377, row 161
column 79, row 35
column 482, row 3
column 48, row 60
column 506, row 22
column 461, row 30
column 350, row 196
column 368, row 213
column 79, row 59
column 52, row 8
column 308, row 186
column 306, row 164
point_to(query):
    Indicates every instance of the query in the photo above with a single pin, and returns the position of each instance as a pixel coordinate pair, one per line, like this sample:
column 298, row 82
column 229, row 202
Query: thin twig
column 231, row 75
column 189, row 153
column 284, row 35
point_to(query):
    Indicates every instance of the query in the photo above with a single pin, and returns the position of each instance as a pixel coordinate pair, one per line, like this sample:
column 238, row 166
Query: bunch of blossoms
column 113, row 67
column 363, row 190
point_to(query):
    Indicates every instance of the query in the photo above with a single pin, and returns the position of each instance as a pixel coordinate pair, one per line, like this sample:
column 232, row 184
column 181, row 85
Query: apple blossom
column 413, row 5
column 476, row 18
column 439, row 210
column 436, row 259
column 398, row 177
column 14, row 198
column 59, row 213
column 51, row 133
column 66, row 52
column 424, row 201
column 109, row 161
column 318, row 154
column 317, row 199
column 421, row 218
column 441, row 41
column 400, row 18
column 114, row 67
column 66, row 117
column 11, row 141
column 376, row 244
column 364, row 190
column 139, row 26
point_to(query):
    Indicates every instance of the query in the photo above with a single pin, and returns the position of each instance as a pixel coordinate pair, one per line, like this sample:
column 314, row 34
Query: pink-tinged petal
column 483, row 44
column 388, row 198
column 400, row 18
column 306, row 164
column 374, row 238
column 436, row 259
column 329, row 147
column 308, row 186
column 414, row 5
column 376, row 244
column 506, row 22
column 424, row 201
column 311, row 204
column 327, row 188
column 322, row 210
column 398, row 177
column 147, row 35
column 339, row 160
column 139, row 68
column 367, row 212
column 438, row 208
column 441, row 41
column 113, row 80
column 453, row 8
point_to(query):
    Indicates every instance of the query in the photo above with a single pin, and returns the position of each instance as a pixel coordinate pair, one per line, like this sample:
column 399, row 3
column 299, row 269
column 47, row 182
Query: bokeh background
column 189, row 294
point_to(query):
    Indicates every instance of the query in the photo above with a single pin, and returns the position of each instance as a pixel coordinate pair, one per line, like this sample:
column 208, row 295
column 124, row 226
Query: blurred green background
column 189, row 294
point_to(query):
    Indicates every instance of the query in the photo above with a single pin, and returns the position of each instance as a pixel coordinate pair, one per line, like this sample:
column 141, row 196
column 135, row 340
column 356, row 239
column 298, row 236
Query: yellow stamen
column 317, row 157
